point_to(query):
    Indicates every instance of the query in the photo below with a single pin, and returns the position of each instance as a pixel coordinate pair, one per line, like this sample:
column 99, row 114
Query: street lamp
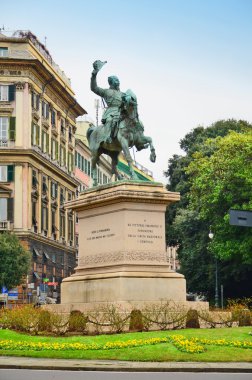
column 216, row 297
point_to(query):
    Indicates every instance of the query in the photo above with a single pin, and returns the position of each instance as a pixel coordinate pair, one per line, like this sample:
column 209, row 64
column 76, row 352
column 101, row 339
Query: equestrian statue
column 121, row 128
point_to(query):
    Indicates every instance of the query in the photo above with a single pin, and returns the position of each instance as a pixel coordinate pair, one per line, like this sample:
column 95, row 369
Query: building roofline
column 35, row 63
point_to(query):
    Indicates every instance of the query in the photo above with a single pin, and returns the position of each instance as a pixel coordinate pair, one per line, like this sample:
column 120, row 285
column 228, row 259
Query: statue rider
column 113, row 97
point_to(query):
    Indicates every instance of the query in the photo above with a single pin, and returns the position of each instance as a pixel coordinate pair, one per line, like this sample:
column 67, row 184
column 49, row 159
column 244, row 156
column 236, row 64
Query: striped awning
column 46, row 255
column 36, row 275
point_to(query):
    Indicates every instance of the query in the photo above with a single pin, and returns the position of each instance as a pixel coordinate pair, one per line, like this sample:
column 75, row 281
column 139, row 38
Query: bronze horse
column 128, row 133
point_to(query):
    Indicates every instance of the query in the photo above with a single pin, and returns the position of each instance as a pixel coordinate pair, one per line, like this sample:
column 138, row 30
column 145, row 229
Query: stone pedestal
column 122, row 252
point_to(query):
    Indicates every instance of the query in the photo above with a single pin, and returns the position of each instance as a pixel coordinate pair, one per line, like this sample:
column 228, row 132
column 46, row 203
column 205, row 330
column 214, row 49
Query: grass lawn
column 159, row 352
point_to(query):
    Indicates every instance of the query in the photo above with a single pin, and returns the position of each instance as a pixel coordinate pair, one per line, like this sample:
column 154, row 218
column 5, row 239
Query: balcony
column 5, row 225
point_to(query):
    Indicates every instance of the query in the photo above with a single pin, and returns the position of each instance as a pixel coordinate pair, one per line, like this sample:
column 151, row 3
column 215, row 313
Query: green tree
column 186, row 225
column 14, row 260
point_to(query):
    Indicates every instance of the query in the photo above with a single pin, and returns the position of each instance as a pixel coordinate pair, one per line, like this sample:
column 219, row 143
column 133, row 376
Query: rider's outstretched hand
column 97, row 65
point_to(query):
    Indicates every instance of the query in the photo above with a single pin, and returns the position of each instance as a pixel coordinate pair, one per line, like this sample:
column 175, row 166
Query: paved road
column 28, row 374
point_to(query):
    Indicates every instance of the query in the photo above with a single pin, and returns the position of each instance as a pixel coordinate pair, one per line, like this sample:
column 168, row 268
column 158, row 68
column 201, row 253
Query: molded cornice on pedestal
column 123, row 191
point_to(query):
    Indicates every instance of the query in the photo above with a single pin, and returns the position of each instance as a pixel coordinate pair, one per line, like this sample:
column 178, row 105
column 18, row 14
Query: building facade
column 44, row 160
column 38, row 114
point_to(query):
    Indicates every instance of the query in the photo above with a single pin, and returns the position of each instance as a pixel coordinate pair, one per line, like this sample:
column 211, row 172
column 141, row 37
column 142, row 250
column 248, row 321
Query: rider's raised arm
column 93, row 85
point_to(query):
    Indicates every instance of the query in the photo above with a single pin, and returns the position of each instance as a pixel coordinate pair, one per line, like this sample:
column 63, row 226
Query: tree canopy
column 214, row 175
column 14, row 260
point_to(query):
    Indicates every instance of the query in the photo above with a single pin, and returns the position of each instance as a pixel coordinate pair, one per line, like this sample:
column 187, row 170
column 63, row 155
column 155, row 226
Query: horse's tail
column 90, row 131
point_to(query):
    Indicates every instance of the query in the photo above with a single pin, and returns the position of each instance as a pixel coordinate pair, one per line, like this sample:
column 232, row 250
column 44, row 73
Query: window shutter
column 57, row 150
column 72, row 162
column 42, row 142
column 10, row 209
column 42, row 218
column 52, row 144
column 76, row 159
column 32, row 134
column 47, row 219
column 47, row 142
column 68, row 161
column 37, row 102
column 38, row 134
column 47, row 111
column 32, row 100
column 12, row 128
column 43, row 108
column 10, row 176
column 12, row 90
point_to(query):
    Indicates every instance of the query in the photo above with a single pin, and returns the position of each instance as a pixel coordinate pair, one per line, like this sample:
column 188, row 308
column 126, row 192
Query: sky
column 189, row 62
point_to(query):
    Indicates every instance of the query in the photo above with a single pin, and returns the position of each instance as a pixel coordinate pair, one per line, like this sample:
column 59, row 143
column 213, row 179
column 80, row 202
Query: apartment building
column 38, row 114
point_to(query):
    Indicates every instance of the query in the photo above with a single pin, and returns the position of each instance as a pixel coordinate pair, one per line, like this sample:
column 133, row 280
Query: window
column 54, row 149
column 62, row 156
column 35, row 101
column 44, row 218
column 4, row 93
column 45, row 142
column 62, row 224
column 70, row 162
column 62, row 196
column 70, row 228
column 35, row 134
column 6, row 209
column 44, row 185
column 54, row 190
column 34, row 179
column 62, row 126
column 3, row 209
column 53, row 118
column 45, row 110
column 3, row 52
column 7, row 173
column 4, row 128
column 54, row 221
column 34, row 212
column 70, row 134
column 3, row 173
column 7, row 93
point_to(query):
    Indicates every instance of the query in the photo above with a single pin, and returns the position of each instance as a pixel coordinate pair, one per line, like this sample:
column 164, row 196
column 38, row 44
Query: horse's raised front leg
column 153, row 152
column 125, row 147
column 152, row 149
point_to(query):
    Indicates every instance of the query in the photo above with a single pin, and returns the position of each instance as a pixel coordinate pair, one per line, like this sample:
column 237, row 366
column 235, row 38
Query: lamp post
column 216, row 297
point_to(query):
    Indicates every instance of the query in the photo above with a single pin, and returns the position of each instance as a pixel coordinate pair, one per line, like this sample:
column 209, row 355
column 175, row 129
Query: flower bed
column 188, row 345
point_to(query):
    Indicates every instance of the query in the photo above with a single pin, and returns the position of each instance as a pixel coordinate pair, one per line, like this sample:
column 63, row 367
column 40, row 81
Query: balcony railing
column 5, row 225
column 5, row 143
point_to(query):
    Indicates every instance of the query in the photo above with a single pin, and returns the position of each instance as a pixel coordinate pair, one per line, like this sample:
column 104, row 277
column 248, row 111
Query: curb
column 121, row 366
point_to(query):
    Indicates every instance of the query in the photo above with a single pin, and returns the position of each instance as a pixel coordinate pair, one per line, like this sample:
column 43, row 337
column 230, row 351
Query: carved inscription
column 145, row 233
column 102, row 233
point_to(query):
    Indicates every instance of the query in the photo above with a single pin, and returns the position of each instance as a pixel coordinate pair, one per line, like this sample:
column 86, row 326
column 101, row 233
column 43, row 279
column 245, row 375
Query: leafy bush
column 136, row 321
column 77, row 322
column 192, row 319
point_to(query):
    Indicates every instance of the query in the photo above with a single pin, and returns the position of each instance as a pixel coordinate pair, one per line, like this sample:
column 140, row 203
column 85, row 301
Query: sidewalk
column 121, row 366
